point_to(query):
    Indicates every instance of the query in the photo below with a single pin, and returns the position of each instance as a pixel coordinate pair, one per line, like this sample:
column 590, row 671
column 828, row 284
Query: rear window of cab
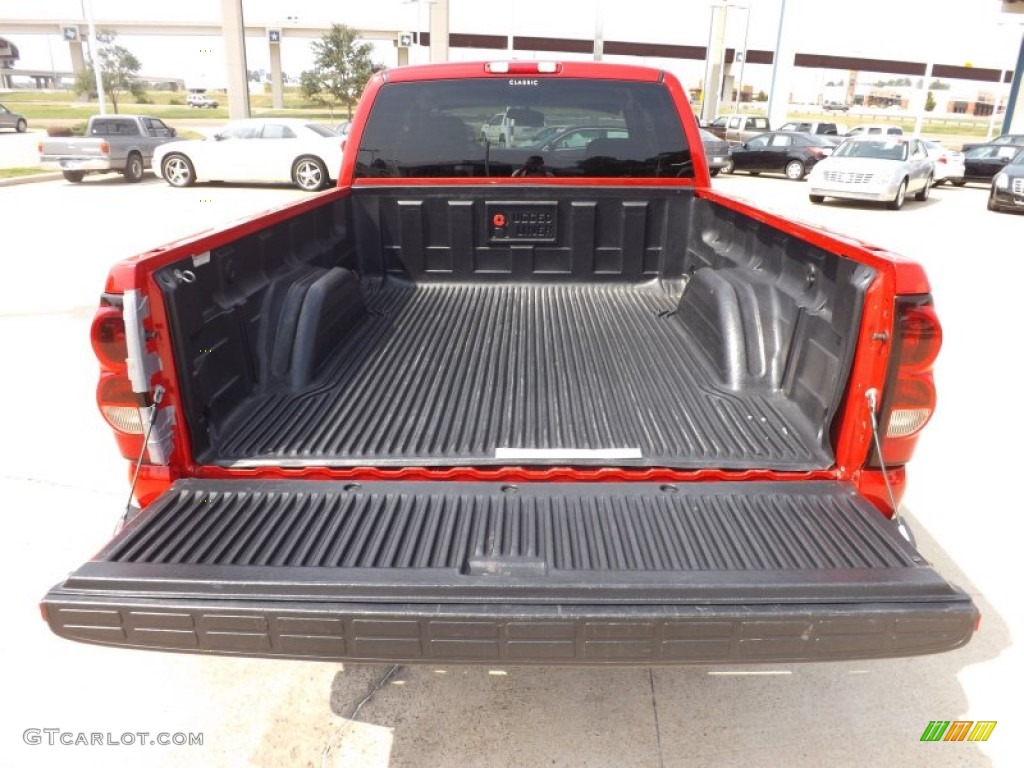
column 447, row 128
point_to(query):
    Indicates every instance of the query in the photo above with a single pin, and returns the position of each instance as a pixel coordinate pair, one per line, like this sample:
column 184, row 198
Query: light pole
column 97, row 60
column 743, row 60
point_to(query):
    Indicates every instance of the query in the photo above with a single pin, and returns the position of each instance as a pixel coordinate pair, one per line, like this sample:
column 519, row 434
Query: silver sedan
column 12, row 120
column 874, row 168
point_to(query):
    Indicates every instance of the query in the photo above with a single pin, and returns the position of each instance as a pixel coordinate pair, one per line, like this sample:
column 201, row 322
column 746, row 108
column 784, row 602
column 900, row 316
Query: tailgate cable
column 158, row 395
column 872, row 396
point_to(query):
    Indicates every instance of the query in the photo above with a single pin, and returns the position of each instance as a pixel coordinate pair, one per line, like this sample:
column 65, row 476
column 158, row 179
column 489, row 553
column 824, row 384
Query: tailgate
column 86, row 149
column 531, row 573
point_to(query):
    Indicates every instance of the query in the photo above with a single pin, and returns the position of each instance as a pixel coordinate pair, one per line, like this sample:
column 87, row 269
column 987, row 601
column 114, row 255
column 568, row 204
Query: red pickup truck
column 503, row 405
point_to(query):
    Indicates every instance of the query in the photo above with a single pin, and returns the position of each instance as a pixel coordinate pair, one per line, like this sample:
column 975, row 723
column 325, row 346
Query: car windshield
column 439, row 129
column 880, row 149
column 321, row 130
column 708, row 136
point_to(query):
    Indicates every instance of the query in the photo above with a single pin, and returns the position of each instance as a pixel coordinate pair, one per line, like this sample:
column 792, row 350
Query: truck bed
column 391, row 328
column 485, row 374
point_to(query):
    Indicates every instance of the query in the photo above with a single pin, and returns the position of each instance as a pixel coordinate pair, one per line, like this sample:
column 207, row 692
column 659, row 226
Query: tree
column 118, row 67
column 929, row 102
column 341, row 69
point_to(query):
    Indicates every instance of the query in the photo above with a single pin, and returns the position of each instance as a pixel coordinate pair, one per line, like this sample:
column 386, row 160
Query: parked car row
column 879, row 167
column 283, row 150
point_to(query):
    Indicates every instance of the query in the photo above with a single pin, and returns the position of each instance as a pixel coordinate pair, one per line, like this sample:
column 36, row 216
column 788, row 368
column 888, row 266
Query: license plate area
column 523, row 222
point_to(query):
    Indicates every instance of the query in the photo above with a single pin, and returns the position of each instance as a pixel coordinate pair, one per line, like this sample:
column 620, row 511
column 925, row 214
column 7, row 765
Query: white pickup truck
column 514, row 127
column 112, row 144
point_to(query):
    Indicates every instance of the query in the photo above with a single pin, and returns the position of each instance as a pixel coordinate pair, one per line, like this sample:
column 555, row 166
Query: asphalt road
column 62, row 486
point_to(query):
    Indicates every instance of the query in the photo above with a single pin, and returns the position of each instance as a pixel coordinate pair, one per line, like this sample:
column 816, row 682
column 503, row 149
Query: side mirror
column 174, row 132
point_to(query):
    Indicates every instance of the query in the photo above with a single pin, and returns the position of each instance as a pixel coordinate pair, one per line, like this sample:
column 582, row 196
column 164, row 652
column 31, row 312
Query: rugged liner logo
column 958, row 730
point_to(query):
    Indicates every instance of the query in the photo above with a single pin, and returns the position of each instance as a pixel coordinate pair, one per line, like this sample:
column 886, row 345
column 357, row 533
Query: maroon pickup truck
column 501, row 404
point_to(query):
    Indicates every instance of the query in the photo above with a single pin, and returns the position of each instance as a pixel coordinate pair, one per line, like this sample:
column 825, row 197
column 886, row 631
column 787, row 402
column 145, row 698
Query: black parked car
column 716, row 150
column 1008, row 186
column 1006, row 138
column 793, row 154
column 984, row 162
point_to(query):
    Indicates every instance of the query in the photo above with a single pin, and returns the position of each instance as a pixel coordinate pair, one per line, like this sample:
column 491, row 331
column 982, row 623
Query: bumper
column 516, row 634
column 717, row 162
column 1007, row 200
column 846, row 193
column 77, row 164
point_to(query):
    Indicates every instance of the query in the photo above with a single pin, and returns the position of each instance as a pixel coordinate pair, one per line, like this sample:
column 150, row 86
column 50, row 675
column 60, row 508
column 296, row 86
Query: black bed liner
column 498, row 374
column 576, row 572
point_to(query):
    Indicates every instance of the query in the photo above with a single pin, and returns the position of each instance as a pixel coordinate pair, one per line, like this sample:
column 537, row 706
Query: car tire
column 795, row 170
column 178, row 170
column 310, row 174
column 714, row 171
column 816, row 199
column 21, row 126
column 133, row 169
column 75, row 177
column 728, row 167
column 901, row 194
column 754, row 173
column 922, row 195
column 958, row 182
column 501, row 141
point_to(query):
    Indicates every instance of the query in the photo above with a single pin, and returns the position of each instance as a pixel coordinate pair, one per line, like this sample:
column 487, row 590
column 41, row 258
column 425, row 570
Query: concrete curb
column 32, row 179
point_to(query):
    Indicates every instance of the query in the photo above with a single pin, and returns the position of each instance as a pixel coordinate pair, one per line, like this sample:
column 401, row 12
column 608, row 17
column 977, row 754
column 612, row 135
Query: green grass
column 939, row 126
column 11, row 173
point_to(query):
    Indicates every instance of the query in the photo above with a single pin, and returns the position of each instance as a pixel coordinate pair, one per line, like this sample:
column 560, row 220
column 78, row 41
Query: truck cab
column 739, row 128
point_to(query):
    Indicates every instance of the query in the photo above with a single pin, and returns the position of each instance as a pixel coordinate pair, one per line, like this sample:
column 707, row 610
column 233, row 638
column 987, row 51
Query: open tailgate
column 532, row 573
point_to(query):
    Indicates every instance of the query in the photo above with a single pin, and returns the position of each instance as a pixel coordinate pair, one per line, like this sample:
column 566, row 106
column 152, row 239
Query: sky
column 952, row 32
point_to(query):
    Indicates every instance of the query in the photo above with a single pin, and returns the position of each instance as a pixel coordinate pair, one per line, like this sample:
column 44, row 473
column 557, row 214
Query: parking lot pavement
column 62, row 486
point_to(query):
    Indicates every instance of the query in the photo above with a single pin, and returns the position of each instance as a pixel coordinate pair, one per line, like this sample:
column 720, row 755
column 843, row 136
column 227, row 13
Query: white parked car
column 304, row 153
column 874, row 129
column 949, row 164
column 876, row 168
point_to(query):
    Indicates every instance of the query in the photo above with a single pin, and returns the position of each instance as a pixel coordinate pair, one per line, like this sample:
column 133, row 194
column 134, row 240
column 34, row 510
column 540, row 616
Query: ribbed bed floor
column 519, row 374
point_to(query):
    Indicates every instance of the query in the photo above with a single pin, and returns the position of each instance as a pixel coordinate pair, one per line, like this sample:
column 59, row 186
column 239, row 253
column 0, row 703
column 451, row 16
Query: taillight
column 909, row 398
column 105, row 148
column 39, row 147
column 942, row 160
column 816, row 151
column 119, row 404
column 109, row 340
